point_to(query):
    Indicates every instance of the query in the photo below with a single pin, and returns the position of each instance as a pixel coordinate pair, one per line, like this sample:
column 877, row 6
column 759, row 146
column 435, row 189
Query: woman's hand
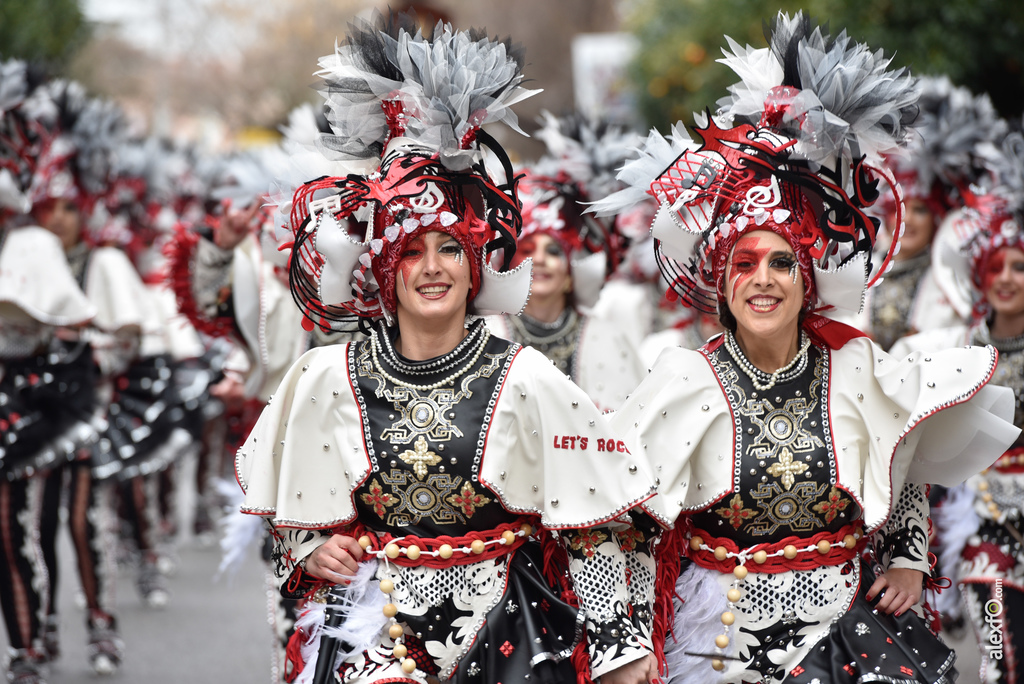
column 231, row 391
column 640, row 671
column 337, row 560
column 235, row 225
column 902, row 589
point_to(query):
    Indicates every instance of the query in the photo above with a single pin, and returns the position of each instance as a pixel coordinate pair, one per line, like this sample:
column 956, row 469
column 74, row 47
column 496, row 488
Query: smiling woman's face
column 1004, row 282
column 764, row 288
column 918, row 231
column 433, row 280
column 550, row 266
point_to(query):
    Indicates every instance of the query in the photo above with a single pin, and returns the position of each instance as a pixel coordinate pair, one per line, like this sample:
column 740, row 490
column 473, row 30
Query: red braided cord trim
column 179, row 251
column 380, row 540
column 804, row 560
column 667, row 555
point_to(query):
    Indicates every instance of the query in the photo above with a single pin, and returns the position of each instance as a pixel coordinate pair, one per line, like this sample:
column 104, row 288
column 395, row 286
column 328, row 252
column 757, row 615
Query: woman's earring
column 792, row 272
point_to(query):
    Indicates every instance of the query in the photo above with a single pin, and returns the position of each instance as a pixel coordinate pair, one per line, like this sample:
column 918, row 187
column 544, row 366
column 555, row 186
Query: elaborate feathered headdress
column 80, row 134
column 811, row 119
column 946, row 154
column 992, row 221
column 406, row 111
column 583, row 156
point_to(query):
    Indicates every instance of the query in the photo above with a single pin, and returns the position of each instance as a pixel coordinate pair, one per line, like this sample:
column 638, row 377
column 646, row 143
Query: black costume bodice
column 784, row 470
column 893, row 299
column 1009, row 371
column 426, row 436
column 558, row 341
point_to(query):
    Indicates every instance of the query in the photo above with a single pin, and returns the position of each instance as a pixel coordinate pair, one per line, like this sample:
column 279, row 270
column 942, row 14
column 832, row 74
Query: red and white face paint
column 1003, row 282
column 433, row 280
column 764, row 285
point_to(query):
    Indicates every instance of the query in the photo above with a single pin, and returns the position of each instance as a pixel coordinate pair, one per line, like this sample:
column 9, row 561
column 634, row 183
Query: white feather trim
column 956, row 522
column 311, row 623
column 697, row 622
column 363, row 602
column 655, row 155
column 240, row 532
column 363, row 605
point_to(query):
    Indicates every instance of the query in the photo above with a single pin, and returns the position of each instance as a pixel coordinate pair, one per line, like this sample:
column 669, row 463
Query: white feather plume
column 241, row 533
column 655, row 155
column 956, row 521
column 363, row 605
column 697, row 622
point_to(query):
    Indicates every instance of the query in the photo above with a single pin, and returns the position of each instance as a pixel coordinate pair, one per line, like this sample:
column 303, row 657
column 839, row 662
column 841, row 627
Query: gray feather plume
column 589, row 151
column 13, row 84
column 1008, row 174
column 449, row 84
column 954, row 129
column 850, row 102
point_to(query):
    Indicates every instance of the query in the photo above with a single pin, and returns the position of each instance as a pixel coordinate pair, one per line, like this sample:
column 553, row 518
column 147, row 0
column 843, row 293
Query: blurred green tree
column 977, row 43
column 45, row 31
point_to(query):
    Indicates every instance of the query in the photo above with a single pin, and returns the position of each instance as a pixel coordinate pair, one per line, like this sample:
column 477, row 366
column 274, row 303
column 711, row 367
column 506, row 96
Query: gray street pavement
column 209, row 633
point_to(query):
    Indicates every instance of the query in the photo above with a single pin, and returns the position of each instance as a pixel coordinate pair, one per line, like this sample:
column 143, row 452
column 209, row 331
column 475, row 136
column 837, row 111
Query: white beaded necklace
column 441, row 364
column 450, row 380
column 753, row 371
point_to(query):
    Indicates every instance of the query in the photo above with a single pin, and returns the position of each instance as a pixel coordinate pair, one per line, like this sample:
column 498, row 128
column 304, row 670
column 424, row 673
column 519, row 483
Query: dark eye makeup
column 554, row 249
column 451, row 247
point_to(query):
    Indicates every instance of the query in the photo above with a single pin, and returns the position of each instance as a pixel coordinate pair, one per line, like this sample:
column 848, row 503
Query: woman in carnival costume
column 47, row 398
column 572, row 254
column 142, row 408
column 943, row 158
column 981, row 264
column 229, row 275
column 786, row 445
column 422, row 471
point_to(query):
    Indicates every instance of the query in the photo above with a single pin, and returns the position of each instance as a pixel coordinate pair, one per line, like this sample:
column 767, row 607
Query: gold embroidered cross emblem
column 468, row 500
column 786, row 468
column 378, row 498
column 419, row 457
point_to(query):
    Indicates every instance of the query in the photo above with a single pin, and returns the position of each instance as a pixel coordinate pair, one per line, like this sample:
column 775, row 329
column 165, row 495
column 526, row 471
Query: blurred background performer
column 944, row 156
column 573, row 255
column 47, row 387
column 982, row 262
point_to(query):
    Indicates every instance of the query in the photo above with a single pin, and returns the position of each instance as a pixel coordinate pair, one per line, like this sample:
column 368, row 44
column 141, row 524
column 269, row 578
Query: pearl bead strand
column 441, row 364
column 450, row 380
column 392, row 550
column 753, row 371
column 740, row 572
